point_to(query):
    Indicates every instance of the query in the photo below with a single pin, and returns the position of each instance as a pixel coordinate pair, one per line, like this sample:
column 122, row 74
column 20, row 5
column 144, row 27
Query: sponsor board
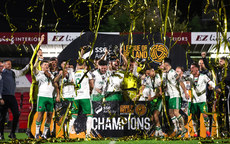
column 21, row 38
column 62, row 38
column 65, row 38
column 180, row 38
column 207, row 37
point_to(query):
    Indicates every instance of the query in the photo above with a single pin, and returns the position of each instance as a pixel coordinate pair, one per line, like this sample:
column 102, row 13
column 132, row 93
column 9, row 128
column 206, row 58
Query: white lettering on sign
column 134, row 123
column 20, row 38
column 4, row 39
column 99, row 52
column 180, row 39
column 102, row 123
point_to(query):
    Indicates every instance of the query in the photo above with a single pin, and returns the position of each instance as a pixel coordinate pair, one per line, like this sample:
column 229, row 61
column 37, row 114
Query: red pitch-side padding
column 22, row 124
column 26, row 94
column 10, row 116
column 26, row 108
column 23, row 117
column 18, row 100
column 25, row 111
column 18, row 95
column 25, row 102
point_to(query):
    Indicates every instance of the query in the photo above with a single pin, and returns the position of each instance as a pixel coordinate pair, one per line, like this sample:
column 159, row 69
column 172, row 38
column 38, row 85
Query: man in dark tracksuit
column 9, row 86
column 1, row 87
column 1, row 100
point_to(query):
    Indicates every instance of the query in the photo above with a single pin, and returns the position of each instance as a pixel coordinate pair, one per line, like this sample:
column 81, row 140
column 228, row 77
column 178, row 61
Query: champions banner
column 114, row 119
column 119, row 119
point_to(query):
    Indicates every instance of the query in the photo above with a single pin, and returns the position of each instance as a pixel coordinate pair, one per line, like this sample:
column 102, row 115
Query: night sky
column 26, row 21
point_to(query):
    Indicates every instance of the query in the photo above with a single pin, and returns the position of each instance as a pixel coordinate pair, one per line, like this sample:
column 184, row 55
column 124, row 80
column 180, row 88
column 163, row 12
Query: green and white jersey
column 171, row 83
column 99, row 82
column 115, row 81
column 147, row 82
column 45, row 86
column 157, row 81
column 187, row 86
column 150, row 85
column 199, row 87
column 68, row 89
column 84, row 89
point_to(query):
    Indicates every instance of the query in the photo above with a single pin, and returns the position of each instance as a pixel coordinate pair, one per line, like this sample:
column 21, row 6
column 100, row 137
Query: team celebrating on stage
column 125, row 79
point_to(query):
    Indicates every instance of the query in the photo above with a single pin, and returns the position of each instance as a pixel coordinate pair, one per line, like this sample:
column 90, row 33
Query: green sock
column 158, row 128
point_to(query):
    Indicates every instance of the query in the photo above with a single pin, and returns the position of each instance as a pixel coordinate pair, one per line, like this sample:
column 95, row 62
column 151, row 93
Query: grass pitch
column 22, row 138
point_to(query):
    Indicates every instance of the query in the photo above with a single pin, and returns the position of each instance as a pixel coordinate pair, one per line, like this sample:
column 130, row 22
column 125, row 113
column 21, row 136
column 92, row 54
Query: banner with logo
column 206, row 37
column 119, row 119
column 114, row 119
column 21, row 38
column 62, row 38
column 148, row 48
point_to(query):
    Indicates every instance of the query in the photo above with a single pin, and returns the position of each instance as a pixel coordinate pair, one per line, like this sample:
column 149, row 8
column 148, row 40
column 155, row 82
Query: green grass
column 18, row 135
column 23, row 139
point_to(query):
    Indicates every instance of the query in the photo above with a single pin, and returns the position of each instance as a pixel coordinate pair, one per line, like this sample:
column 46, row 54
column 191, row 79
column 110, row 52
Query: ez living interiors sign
column 207, row 37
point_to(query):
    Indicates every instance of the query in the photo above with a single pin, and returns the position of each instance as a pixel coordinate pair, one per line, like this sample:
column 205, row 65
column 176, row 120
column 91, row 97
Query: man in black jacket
column 209, row 92
column 223, row 82
column 205, row 61
column 9, row 86
column 1, row 85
